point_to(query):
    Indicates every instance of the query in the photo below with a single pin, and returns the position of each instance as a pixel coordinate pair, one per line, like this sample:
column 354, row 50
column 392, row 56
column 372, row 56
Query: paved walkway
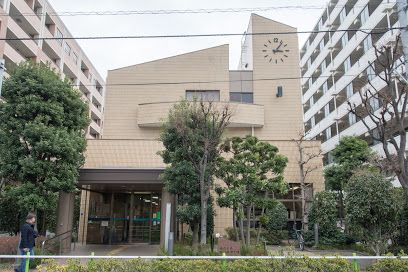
column 116, row 250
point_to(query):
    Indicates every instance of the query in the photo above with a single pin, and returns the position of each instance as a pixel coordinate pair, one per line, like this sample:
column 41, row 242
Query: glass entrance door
column 146, row 218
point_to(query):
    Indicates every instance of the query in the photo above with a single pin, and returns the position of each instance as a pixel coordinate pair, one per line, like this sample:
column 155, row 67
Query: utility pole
column 403, row 21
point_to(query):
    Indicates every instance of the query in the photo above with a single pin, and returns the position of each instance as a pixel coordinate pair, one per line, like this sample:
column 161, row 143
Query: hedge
column 248, row 265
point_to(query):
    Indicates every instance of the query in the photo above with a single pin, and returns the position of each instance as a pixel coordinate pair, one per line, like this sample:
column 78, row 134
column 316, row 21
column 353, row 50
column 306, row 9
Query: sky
column 111, row 54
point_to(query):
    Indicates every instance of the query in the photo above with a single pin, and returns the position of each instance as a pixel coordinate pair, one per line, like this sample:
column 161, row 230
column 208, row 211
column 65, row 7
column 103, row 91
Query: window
column 309, row 63
column 325, row 87
column 67, row 49
column 321, row 45
column 328, row 133
column 323, row 66
column 343, row 15
column 203, row 95
column 352, row 118
column 326, row 110
column 365, row 14
column 75, row 57
column 311, row 101
column 313, row 121
column 349, row 90
column 347, row 65
column 370, row 73
column 242, row 97
column 368, row 43
column 59, row 36
column 320, row 23
column 374, row 103
column 344, row 40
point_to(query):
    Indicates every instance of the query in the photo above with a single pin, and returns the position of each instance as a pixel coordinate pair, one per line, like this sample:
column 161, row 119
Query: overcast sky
column 111, row 54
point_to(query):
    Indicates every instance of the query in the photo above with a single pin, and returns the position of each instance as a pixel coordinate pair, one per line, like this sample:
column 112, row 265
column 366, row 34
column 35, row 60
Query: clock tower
column 272, row 53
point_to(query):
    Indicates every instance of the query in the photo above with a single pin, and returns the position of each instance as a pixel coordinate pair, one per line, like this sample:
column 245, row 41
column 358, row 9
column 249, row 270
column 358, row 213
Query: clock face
column 275, row 51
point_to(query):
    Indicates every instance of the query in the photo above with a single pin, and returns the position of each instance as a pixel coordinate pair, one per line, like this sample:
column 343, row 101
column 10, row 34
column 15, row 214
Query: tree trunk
column 341, row 203
column 204, row 210
column 304, row 214
column 195, row 227
column 258, row 235
column 248, row 212
column 204, row 194
column 234, row 219
column 241, row 225
column 404, row 184
column 43, row 225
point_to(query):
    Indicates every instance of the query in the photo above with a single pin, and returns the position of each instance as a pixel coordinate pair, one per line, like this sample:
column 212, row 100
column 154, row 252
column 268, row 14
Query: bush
column 277, row 217
column 275, row 237
column 165, row 265
column 389, row 265
column 231, row 234
column 324, row 213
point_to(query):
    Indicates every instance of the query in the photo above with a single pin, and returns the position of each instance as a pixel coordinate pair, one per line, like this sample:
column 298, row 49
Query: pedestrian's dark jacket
column 28, row 235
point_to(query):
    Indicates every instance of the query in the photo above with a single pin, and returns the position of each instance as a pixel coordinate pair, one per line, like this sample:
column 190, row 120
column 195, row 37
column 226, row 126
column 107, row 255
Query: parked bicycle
column 300, row 239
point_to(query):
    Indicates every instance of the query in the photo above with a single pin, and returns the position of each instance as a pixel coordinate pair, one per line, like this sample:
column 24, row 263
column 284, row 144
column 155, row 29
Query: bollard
column 27, row 264
column 224, row 264
column 356, row 267
column 171, row 243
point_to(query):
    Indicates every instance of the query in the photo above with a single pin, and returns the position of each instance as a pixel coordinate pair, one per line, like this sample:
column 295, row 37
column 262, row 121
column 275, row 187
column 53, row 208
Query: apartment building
column 335, row 67
column 124, row 199
column 33, row 19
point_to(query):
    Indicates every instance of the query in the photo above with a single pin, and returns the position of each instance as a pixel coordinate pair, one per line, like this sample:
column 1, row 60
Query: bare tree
column 307, row 153
column 383, row 111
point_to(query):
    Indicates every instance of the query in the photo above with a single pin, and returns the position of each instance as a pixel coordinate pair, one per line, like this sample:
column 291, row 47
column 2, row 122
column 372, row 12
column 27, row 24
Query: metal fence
column 202, row 257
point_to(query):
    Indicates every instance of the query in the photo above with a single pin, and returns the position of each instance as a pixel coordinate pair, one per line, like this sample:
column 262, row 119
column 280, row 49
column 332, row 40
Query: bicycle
column 301, row 240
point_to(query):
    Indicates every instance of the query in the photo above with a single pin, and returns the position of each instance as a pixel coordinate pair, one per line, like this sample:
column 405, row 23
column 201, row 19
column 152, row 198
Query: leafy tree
column 191, row 136
column 372, row 209
column 250, row 169
column 42, row 135
column 277, row 217
column 14, row 208
column 324, row 213
column 350, row 154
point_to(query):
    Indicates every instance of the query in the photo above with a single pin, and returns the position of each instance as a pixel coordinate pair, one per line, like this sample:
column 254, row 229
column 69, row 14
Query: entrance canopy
column 121, row 180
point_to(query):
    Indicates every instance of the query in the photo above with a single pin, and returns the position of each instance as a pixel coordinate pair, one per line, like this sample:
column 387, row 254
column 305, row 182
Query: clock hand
column 279, row 46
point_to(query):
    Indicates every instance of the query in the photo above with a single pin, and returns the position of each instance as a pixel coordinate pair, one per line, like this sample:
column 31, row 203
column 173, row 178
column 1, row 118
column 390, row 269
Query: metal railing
column 202, row 257
column 60, row 241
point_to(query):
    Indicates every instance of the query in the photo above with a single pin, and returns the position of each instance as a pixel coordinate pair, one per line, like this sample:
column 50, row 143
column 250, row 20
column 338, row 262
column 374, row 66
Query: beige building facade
column 123, row 198
column 24, row 23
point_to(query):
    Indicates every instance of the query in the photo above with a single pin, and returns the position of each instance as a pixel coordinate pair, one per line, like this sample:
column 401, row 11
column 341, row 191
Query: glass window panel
column 235, row 97
column 248, row 98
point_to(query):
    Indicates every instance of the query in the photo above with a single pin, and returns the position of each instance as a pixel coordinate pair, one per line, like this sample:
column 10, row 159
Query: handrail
column 52, row 238
column 163, row 257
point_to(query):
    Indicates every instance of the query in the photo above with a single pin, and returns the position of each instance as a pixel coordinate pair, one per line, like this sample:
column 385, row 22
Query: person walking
column 27, row 241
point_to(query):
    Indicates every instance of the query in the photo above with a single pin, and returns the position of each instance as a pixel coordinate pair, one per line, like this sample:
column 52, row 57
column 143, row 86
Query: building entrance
column 132, row 217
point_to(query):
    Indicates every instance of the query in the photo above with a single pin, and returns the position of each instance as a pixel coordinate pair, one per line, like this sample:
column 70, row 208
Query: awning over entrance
column 119, row 180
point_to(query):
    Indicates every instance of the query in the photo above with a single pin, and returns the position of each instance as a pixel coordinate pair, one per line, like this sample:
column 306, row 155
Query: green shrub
column 166, row 265
column 277, row 217
column 275, row 237
column 324, row 213
column 231, row 234
column 390, row 265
